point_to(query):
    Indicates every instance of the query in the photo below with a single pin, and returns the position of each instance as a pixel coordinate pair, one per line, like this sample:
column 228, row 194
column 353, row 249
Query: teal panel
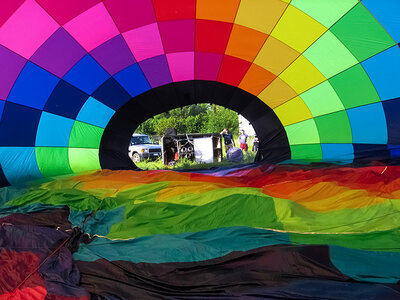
column 95, row 113
column 19, row 164
column 53, row 130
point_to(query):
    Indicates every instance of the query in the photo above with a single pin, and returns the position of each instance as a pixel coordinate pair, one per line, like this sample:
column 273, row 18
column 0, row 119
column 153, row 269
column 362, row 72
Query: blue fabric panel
column 2, row 103
column 53, row 130
column 338, row 153
column 394, row 151
column 112, row 94
column 19, row 164
column 33, row 86
column 387, row 13
column 359, row 264
column 368, row 124
column 87, row 75
column 383, row 70
column 18, row 125
column 133, row 80
column 365, row 153
column 66, row 100
column 392, row 112
column 95, row 113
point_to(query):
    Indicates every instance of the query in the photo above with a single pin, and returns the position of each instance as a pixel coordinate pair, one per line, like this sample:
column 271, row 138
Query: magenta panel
column 59, row 53
column 144, row 42
column 177, row 35
column 181, row 65
column 114, row 55
column 7, row 8
column 93, row 27
column 27, row 29
column 206, row 66
column 11, row 65
column 65, row 10
column 131, row 14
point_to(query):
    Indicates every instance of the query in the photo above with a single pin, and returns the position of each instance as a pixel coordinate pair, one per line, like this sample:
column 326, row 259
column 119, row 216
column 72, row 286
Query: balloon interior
column 318, row 214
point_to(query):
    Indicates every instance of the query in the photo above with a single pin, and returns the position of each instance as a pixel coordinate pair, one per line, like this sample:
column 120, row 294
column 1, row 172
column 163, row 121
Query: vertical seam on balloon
column 327, row 79
column 120, row 33
column 252, row 62
column 194, row 46
column 226, row 46
column 162, row 41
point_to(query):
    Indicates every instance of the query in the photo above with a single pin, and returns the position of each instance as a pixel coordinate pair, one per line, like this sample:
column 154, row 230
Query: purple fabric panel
column 156, row 70
column 114, row 55
column 59, row 53
column 11, row 65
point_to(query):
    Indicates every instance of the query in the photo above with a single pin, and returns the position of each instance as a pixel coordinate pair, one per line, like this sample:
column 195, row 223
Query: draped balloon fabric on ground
column 317, row 79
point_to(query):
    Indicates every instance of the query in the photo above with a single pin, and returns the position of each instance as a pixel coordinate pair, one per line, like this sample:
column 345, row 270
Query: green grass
column 188, row 164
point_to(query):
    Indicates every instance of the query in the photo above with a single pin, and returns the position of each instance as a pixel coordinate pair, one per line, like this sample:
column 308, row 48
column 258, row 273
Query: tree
column 220, row 117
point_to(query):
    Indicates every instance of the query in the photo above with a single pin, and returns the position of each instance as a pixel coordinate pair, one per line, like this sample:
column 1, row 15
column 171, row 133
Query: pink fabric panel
column 7, row 8
column 93, row 27
column 144, row 42
column 64, row 11
column 131, row 14
column 27, row 29
column 207, row 65
column 181, row 65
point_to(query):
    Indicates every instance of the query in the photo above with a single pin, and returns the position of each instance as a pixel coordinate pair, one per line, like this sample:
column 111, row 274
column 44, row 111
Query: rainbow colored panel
column 299, row 231
column 327, row 69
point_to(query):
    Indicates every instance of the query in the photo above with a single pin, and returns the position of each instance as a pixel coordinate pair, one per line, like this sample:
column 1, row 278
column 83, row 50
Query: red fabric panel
column 212, row 36
column 232, row 70
column 177, row 35
column 174, row 9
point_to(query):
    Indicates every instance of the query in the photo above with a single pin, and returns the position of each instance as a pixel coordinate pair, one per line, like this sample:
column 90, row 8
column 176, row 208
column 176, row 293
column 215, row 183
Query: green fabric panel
column 84, row 135
column 311, row 152
column 150, row 218
column 387, row 240
column 297, row 218
column 334, row 128
column 361, row 33
column 329, row 55
column 322, row 99
column 304, row 132
column 82, row 159
column 354, row 87
column 325, row 12
column 53, row 161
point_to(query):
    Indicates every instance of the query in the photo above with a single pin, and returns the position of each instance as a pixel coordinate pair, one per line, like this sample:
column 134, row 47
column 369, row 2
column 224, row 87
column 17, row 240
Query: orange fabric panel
column 218, row 10
column 256, row 79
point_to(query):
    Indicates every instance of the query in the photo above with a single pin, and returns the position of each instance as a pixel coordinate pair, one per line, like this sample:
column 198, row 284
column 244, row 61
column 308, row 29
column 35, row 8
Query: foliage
column 196, row 118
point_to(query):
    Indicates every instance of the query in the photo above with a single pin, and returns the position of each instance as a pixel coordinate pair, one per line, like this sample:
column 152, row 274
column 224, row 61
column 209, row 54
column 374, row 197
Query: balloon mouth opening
column 273, row 142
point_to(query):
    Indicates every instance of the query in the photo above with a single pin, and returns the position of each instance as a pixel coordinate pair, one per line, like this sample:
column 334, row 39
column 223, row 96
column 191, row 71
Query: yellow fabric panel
column 302, row 75
column 293, row 111
column 275, row 56
column 276, row 93
column 245, row 42
column 220, row 10
column 297, row 29
column 260, row 15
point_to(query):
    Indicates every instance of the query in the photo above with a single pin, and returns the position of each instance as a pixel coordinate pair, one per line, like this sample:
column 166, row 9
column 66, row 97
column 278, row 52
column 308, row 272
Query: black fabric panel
column 272, row 271
column 274, row 145
column 367, row 153
column 3, row 180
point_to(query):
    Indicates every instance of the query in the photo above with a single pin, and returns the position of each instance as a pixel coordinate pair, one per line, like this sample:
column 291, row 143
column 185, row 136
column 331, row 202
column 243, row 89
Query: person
column 256, row 143
column 243, row 140
column 228, row 139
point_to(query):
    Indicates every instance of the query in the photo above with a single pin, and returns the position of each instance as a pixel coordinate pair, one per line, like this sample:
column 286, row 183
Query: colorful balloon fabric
column 317, row 79
column 282, row 232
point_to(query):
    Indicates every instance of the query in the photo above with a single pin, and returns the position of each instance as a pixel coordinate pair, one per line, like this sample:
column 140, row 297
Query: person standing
column 228, row 139
column 243, row 140
column 256, row 144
